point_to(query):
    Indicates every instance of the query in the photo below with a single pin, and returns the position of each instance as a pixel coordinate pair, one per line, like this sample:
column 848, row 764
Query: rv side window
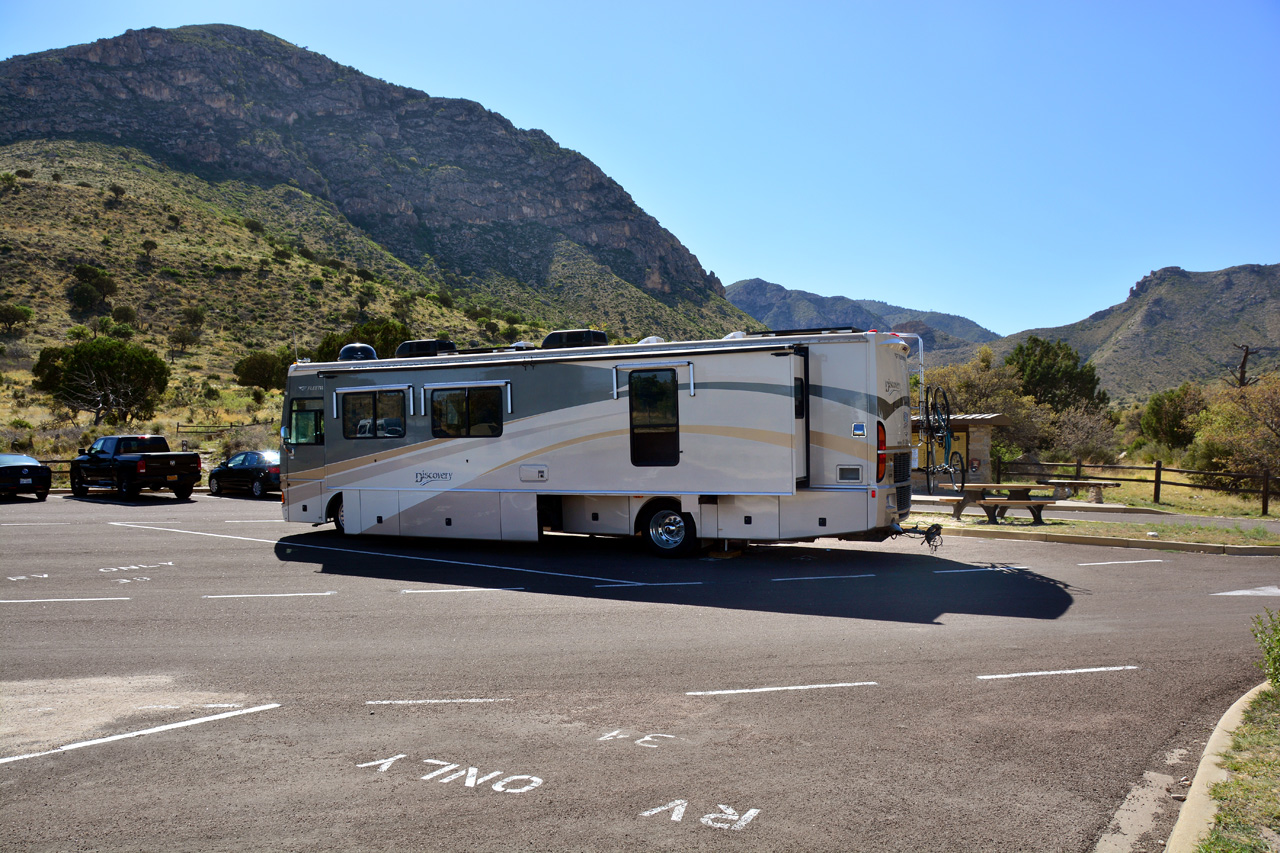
column 466, row 412
column 373, row 414
column 306, row 421
column 655, row 418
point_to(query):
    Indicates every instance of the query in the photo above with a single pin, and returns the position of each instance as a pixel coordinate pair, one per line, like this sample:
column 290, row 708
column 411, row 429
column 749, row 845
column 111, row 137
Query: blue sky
column 1022, row 164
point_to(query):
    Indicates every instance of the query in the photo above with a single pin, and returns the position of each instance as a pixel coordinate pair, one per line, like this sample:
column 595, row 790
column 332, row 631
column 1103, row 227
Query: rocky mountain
column 779, row 307
column 953, row 325
column 447, row 187
column 1174, row 326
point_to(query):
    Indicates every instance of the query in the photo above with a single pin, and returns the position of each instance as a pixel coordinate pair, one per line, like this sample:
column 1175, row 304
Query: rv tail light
column 882, row 457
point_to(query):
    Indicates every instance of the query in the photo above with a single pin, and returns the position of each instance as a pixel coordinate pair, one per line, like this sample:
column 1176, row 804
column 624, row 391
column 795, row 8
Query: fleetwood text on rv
column 779, row 436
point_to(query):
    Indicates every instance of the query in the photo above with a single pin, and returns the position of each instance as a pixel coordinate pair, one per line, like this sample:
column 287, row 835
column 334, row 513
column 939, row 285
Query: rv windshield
column 306, row 421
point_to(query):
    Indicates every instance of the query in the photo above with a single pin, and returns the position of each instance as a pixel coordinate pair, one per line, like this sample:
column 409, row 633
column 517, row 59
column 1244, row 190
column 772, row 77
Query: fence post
column 1156, row 499
column 1079, row 468
column 996, row 468
column 1266, row 489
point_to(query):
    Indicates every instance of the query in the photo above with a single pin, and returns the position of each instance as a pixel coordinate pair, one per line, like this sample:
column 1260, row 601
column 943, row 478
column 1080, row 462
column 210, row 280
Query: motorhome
column 761, row 437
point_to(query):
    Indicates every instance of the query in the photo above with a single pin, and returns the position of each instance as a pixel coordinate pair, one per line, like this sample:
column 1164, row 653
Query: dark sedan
column 254, row 471
column 24, row 474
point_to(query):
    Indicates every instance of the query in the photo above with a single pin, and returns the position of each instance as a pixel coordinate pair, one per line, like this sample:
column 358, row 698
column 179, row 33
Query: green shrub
column 1266, row 630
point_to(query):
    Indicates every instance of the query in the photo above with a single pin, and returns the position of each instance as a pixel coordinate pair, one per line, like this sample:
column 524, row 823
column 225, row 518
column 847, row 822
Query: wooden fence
column 212, row 430
column 1077, row 471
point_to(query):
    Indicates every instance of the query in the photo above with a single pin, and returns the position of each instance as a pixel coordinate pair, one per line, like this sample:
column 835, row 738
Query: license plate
column 24, row 481
column 172, row 477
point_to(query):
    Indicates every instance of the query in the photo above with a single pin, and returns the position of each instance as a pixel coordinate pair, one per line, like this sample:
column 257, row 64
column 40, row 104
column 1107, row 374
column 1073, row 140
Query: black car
column 256, row 471
column 24, row 474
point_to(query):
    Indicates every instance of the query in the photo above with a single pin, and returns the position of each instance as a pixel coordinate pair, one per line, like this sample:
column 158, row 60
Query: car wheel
column 668, row 532
column 41, row 495
column 183, row 492
column 78, row 487
column 127, row 489
column 258, row 489
column 215, row 486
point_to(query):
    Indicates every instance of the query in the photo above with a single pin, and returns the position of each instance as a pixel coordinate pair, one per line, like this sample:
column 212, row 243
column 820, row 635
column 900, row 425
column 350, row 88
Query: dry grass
column 1249, row 802
column 1184, row 499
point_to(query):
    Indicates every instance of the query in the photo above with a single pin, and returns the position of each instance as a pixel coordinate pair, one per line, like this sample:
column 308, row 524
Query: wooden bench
column 1067, row 488
column 996, row 508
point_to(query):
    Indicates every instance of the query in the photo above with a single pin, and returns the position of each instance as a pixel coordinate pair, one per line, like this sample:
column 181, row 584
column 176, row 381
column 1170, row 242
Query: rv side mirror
column 284, row 433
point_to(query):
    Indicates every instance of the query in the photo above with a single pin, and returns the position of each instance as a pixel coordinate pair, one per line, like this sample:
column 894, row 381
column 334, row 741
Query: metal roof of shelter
column 994, row 419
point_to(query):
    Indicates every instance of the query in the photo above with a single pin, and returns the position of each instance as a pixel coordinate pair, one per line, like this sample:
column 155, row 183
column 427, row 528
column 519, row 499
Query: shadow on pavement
column 907, row 587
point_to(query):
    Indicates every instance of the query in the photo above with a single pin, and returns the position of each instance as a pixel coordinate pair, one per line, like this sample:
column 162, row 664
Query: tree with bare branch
column 1241, row 378
column 116, row 381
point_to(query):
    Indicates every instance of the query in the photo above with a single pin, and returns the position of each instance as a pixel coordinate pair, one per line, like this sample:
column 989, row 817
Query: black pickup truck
column 131, row 463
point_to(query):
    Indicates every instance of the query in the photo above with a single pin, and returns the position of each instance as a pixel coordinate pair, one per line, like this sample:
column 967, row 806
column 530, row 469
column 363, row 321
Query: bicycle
column 935, row 415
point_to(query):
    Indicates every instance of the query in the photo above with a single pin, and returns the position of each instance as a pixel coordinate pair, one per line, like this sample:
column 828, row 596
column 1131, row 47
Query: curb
column 1111, row 542
column 1197, row 814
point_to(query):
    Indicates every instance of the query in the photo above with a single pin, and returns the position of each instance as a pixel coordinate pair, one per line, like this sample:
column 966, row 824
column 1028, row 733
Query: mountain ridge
column 1173, row 326
column 442, row 183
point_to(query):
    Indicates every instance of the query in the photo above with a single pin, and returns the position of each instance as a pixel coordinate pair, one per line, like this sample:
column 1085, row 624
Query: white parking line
column 253, row 521
column 272, row 595
column 431, row 701
column 35, row 523
column 1057, row 672
column 1261, row 590
column 465, row 589
column 821, row 578
column 1120, row 563
column 164, row 728
column 980, row 569
column 41, row 600
column 371, row 553
column 639, row 583
column 775, row 689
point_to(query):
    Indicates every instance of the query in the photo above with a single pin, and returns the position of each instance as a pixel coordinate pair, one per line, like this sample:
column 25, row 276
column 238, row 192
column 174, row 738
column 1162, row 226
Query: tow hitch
column 932, row 535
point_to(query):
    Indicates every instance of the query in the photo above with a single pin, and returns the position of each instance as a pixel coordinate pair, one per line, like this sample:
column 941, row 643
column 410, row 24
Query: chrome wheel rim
column 667, row 529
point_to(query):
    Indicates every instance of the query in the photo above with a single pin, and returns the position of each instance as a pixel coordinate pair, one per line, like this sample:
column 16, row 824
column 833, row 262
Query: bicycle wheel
column 956, row 463
column 928, row 468
column 941, row 413
column 926, row 424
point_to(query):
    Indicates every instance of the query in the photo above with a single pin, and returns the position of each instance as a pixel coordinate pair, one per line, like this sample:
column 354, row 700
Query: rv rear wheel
column 667, row 532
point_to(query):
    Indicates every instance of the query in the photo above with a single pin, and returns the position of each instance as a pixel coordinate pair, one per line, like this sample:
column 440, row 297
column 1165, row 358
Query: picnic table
column 1067, row 488
column 996, row 506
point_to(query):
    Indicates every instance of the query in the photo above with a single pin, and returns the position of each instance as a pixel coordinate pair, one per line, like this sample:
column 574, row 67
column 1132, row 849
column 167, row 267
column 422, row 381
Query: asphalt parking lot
column 201, row 676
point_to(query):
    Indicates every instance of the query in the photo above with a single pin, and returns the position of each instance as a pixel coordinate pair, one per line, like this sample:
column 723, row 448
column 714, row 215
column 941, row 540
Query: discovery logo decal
column 432, row 477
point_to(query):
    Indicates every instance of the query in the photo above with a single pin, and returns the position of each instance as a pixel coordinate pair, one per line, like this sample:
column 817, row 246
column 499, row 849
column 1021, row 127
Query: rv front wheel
column 668, row 532
column 339, row 517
